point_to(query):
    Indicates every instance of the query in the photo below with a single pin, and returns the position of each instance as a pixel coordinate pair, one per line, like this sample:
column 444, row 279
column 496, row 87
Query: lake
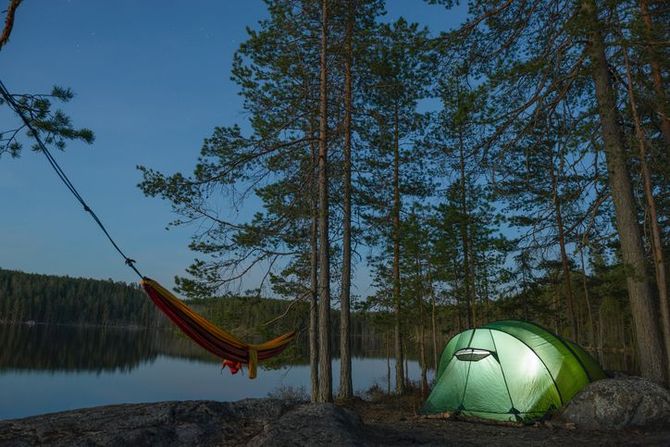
column 45, row 369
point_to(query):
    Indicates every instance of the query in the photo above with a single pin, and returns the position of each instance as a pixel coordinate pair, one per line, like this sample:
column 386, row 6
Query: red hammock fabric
column 217, row 341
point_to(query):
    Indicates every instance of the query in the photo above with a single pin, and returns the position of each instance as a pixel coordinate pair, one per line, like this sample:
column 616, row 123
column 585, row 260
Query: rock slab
column 190, row 423
column 613, row 404
column 253, row 422
column 317, row 424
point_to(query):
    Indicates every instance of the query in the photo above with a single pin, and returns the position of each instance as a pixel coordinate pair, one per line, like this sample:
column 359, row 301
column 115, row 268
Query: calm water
column 50, row 368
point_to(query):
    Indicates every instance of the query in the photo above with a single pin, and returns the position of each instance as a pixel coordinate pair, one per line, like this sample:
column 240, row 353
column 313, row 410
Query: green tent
column 509, row 371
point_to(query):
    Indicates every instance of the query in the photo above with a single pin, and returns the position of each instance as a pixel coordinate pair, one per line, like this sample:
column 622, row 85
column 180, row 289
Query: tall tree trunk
column 325, row 367
column 661, row 102
column 422, row 350
column 486, row 313
column 601, row 337
column 587, row 298
column 314, row 278
column 388, row 363
column 404, row 348
column 399, row 371
column 656, row 240
column 565, row 261
column 346, row 386
column 465, row 225
column 420, row 333
column 433, row 321
column 622, row 323
column 556, row 304
column 639, row 292
column 525, row 290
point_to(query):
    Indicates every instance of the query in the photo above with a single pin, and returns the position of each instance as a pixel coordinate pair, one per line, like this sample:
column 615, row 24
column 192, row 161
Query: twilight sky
column 152, row 79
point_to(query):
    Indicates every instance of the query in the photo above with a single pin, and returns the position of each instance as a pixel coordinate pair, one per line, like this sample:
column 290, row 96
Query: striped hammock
column 217, row 341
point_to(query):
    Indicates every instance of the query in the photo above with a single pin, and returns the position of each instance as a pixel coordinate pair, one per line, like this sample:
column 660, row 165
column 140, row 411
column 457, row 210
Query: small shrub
column 375, row 392
column 288, row 392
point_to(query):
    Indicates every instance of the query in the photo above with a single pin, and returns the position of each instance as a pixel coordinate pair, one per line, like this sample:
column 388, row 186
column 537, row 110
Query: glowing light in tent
column 531, row 363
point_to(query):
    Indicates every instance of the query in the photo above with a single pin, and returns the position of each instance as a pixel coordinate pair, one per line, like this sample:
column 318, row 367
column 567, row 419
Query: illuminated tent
column 509, row 371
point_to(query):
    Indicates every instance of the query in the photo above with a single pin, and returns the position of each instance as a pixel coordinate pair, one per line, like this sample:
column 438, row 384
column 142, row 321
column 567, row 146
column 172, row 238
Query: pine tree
column 399, row 68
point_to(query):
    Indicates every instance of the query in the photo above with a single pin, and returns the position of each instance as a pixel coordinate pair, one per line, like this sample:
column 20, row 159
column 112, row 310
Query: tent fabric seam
column 574, row 354
column 502, row 371
column 563, row 342
column 558, row 390
column 467, row 375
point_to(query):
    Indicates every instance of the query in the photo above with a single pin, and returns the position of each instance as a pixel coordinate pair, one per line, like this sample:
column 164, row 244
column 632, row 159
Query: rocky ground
column 382, row 420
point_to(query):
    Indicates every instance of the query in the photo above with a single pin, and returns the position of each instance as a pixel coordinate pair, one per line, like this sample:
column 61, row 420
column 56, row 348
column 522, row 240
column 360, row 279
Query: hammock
column 217, row 341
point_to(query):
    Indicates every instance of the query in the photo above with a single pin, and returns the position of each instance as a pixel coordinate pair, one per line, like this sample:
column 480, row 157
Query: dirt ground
column 395, row 421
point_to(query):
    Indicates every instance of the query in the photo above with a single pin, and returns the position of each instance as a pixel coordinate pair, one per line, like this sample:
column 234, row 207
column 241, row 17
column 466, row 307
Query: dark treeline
column 50, row 299
column 64, row 300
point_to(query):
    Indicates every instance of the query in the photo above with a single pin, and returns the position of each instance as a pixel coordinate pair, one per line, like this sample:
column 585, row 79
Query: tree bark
column 556, row 304
column 346, row 386
column 661, row 102
column 656, row 240
column 465, row 227
column 314, row 291
column 525, row 288
column 587, row 298
column 9, row 21
column 601, row 337
column 404, row 347
column 422, row 349
column 639, row 292
column 565, row 262
column 433, row 321
column 399, row 371
column 325, row 367
column 388, row 363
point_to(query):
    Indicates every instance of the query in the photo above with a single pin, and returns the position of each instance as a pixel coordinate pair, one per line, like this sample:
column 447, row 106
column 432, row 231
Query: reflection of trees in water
column 74, row 348
column 104, row 349
column 177, row 345
column 94, row 349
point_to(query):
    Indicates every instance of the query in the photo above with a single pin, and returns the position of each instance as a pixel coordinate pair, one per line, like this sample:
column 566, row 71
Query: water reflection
column 75, row 348
column 54, row 368
column 70, row 348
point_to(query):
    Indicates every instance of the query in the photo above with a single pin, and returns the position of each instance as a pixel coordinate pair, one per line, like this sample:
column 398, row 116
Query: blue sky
column 152, row 79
